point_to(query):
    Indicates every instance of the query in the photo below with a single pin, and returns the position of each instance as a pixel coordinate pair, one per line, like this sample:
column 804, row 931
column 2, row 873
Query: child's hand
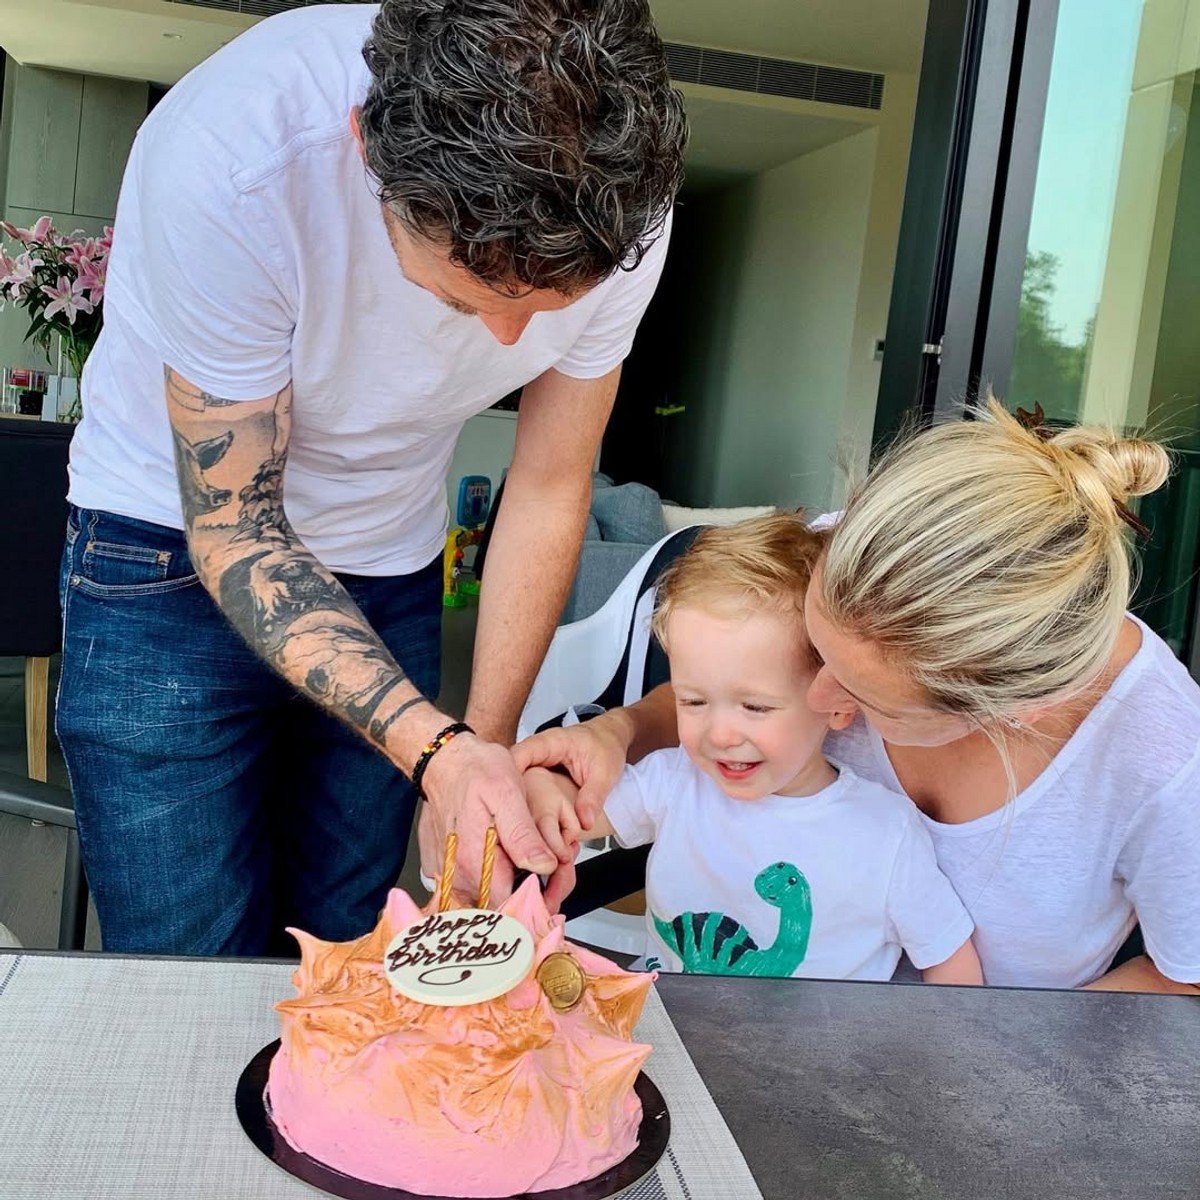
column 551, row 798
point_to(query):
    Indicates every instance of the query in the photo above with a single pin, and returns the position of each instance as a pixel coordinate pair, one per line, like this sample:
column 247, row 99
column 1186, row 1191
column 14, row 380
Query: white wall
column 786, row 292
column 764, row 372
column 875, row 284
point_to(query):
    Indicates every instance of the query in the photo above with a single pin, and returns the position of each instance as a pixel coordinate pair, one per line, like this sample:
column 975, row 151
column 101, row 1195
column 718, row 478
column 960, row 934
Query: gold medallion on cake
column 562, row 979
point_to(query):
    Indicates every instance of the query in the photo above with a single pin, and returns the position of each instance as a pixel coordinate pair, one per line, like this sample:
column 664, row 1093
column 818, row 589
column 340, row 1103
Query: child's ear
column 841, row 720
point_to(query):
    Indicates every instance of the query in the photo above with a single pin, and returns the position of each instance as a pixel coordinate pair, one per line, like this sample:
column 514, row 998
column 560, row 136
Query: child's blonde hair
column 990, row 560
column 763, row 563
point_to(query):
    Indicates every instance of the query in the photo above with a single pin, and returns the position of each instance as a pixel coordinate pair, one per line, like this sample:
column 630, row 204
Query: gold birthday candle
column 447, row 880
column 489, row 860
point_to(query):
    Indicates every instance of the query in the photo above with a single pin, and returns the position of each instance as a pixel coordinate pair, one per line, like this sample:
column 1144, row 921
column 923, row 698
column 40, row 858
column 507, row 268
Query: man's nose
column 506, row 330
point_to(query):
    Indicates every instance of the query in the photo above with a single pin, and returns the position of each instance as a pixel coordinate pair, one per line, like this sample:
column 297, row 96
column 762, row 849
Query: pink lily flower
column 91, row 277
column 66, row 297
column 8, row 268
column 82, row 252
column 38, row 233
column 22, row 271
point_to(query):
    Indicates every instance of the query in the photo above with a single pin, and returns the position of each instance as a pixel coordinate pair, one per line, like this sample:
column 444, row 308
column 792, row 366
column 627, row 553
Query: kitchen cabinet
column 44, row 140
column 113, row 109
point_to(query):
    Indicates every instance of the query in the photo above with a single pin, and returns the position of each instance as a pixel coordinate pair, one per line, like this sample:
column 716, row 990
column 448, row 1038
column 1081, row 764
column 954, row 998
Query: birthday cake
column 530, row 1090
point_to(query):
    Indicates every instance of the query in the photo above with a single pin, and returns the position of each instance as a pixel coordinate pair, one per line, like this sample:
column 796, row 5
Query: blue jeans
column 215, row 804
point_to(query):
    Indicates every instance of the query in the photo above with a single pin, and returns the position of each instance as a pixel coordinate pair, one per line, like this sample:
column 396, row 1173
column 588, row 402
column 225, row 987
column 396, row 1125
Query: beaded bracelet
column 431, row 748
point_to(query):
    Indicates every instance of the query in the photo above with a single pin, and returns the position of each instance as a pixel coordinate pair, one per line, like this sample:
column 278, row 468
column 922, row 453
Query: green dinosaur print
column 713, row 944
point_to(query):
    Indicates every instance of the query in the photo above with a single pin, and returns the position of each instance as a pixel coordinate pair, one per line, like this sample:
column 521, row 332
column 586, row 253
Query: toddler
column 768, row 860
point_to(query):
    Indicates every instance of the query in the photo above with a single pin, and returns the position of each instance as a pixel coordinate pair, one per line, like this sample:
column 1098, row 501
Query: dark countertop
column 865, row 1091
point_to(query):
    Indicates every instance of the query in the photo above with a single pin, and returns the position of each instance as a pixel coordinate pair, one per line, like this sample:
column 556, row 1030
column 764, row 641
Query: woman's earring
column 1014, row 723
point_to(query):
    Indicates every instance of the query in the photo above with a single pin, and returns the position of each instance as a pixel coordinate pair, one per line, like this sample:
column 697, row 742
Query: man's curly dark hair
column 540, row 141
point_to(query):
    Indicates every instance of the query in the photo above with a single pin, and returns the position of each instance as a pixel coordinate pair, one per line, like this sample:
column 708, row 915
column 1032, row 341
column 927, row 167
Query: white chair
column 608, row 659
column 603, row 660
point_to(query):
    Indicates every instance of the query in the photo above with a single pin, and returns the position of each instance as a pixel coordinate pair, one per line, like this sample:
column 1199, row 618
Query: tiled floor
column 31, row 856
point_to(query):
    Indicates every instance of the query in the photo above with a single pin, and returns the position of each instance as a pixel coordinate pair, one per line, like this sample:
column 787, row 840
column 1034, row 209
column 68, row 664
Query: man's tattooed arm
column 230, row 458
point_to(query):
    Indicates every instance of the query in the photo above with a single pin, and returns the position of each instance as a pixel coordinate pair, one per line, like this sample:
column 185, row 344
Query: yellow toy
column 459, row 583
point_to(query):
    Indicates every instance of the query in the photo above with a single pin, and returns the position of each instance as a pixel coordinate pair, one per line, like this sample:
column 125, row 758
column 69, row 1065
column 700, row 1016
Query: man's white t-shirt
column 1107, row 835
column 250, row 250
column 829, row 886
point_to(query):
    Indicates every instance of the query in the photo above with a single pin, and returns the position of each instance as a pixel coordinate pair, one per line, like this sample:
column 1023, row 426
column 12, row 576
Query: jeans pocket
column 124, row 558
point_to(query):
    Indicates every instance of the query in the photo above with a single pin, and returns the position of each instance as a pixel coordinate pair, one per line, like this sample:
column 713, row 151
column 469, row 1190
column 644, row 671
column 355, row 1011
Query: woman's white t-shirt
column 1107, row 836
column 250, row 250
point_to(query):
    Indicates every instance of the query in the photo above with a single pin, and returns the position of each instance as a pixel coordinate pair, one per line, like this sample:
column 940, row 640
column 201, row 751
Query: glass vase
column 70, row 407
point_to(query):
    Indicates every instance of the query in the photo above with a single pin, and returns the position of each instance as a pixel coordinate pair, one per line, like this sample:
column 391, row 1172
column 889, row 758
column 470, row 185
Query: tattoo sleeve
column 230, row 457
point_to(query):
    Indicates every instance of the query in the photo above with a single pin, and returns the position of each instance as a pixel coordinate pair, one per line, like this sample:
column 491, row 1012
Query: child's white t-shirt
column 828, row 886
column 250, row 251
column 1107, row 835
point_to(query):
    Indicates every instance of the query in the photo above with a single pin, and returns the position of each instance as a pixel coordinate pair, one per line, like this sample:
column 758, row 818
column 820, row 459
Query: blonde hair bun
column 1128, row 466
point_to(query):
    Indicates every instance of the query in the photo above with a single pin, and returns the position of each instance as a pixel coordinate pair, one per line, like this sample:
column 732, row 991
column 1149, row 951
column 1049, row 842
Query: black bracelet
column 431, row 748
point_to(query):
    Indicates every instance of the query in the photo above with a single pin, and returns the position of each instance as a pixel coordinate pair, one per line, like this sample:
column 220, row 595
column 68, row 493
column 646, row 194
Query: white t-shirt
column 250, row 250
column 1107, row 835
column 830, row 886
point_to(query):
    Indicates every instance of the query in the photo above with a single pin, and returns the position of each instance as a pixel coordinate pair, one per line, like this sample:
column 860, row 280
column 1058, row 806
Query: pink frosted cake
column 490, row 1099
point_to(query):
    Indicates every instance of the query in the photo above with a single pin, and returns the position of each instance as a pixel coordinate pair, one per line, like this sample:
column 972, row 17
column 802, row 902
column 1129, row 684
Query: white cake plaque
column 461, row 956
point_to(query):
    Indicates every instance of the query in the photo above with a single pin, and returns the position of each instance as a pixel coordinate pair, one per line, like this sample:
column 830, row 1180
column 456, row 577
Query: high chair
column 608, row 659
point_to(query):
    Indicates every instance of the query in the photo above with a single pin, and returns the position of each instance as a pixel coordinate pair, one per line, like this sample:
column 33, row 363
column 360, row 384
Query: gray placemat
column 117, row 1079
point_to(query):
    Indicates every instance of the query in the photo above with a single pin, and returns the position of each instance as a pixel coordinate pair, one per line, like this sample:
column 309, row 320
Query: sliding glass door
column 1069, row 250
column 1107, row 317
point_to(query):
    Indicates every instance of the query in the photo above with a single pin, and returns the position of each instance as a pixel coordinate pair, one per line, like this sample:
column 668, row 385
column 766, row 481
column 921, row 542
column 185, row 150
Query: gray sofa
column 625, row 520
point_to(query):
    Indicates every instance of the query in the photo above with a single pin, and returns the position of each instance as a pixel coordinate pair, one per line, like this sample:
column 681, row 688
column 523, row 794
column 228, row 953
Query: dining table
column 830, row 1090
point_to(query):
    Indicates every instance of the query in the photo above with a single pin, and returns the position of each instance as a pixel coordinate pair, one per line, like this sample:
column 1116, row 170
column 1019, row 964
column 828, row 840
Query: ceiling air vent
column 257, row 8
column 774, row 76
column 690, row 64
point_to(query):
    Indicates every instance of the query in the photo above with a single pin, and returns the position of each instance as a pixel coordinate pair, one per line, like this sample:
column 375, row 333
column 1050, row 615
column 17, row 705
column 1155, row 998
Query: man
column 332, row 266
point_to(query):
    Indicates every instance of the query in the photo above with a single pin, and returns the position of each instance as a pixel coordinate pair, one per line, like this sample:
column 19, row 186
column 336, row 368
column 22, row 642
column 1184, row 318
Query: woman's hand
column 593, row 753
column 469, row 785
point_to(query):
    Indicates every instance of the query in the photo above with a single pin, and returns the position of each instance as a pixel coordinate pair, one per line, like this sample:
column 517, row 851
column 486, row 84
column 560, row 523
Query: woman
column 971, row 613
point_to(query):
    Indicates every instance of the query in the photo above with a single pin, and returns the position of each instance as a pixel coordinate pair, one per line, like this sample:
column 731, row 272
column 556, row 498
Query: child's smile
column 740, row 684
column 735, row 772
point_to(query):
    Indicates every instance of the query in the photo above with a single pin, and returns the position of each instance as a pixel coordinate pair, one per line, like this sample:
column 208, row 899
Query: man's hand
column 469, row 785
